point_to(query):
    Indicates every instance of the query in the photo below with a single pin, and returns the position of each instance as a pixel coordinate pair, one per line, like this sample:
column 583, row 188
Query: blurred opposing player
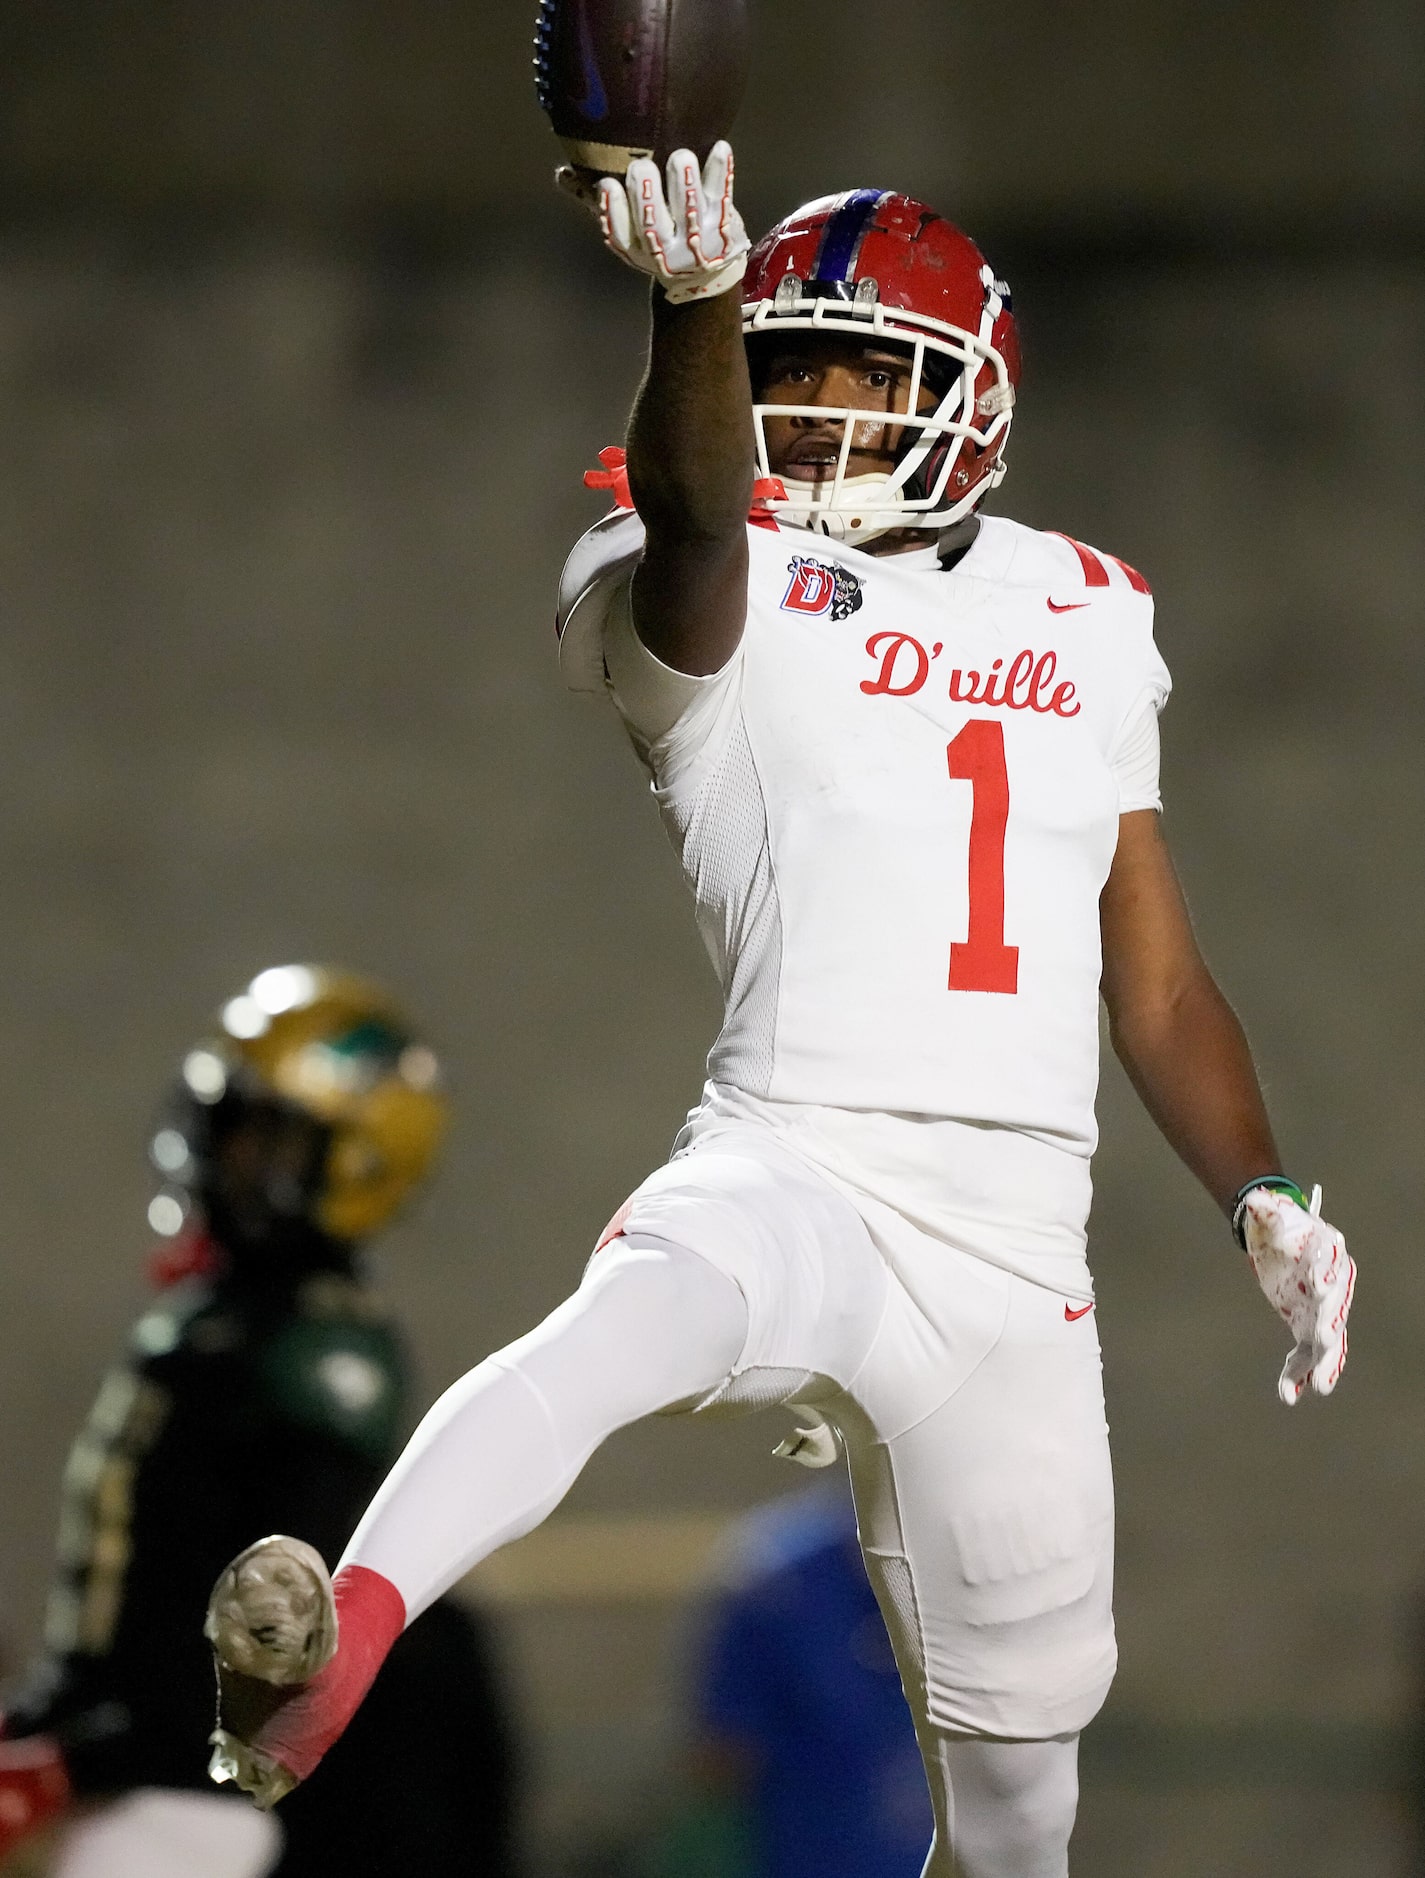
column 909, row 759
column 264, row 1388
column 793, row 1669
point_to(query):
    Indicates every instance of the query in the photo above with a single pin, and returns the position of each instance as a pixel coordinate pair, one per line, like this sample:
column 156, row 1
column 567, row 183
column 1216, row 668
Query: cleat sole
column 272, row 1615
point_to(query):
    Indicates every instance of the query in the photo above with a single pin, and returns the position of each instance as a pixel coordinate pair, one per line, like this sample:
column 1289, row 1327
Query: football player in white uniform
column 909, row 759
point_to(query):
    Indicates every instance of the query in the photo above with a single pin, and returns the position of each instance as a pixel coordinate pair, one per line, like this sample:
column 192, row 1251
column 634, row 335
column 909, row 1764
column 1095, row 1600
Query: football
column 626, row 78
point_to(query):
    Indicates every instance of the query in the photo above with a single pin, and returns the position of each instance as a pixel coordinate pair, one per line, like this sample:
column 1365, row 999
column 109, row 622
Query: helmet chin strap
column 951, row 543
column 843, row 523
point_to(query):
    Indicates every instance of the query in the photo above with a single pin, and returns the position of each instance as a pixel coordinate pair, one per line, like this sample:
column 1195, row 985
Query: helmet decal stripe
column 844, row 232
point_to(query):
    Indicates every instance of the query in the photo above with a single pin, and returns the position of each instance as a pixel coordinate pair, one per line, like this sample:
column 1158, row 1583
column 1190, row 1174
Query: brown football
column 627, row 78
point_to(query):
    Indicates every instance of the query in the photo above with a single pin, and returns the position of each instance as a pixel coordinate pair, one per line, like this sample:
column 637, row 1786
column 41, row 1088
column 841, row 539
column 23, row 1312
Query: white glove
column 691, row 240
column 1309, row 1278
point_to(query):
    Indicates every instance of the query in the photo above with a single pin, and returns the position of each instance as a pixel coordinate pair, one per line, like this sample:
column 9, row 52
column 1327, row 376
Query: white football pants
column 158, row 1832
column 972, row 1411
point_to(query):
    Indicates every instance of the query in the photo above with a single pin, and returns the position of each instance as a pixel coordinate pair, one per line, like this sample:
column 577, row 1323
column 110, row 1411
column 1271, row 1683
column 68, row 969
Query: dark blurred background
column 300, row 361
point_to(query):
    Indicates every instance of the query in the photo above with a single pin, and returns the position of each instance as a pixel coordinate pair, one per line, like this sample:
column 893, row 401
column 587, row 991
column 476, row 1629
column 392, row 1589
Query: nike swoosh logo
column 1072, row 1317
column 1069, row 606
column 594, row 105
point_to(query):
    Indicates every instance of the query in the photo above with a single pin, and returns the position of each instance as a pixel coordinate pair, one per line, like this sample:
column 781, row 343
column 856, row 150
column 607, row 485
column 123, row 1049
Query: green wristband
column 1274, row 1183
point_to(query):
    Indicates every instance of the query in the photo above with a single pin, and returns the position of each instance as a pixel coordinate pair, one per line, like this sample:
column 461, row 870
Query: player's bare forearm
column 690, row 452
column 690, row 466
column 1190, row 1063
column 1172, row 1029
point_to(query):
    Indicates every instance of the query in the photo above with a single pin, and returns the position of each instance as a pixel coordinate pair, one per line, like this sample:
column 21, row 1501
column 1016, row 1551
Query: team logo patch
column 819, row 588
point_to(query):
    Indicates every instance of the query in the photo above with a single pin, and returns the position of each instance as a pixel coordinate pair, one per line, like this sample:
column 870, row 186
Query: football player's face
column 827, row 369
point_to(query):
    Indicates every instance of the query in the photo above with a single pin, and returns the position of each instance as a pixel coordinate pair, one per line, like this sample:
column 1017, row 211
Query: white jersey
column 896, row 806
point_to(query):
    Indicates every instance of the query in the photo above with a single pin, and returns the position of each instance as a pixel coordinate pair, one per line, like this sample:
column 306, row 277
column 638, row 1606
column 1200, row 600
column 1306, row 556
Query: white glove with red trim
column 1309, row 1278
column 690, row 240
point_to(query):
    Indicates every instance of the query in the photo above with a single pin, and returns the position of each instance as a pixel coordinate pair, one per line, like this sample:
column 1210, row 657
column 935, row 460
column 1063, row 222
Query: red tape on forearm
column 371, row 1614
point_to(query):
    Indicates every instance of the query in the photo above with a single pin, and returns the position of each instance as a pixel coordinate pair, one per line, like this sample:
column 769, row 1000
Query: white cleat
column 271, row 1621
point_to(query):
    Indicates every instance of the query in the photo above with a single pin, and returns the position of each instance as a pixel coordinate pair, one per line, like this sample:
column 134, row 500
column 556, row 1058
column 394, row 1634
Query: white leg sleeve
column 651, row 1325
column 1005, row 1807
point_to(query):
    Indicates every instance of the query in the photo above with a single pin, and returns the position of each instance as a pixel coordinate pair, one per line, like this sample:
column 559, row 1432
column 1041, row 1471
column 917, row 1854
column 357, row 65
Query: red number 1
column 982, row 961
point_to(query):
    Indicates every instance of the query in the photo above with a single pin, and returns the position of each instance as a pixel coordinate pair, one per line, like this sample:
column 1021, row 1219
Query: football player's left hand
column 691, row 239
column 1309, row 1277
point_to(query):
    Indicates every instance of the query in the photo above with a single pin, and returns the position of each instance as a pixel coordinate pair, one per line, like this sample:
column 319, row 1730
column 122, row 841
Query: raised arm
column 690, row 452
column 690, row 475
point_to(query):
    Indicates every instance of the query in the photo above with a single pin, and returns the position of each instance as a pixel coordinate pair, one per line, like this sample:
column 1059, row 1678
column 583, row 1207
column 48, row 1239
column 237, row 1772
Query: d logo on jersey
column 818, row 589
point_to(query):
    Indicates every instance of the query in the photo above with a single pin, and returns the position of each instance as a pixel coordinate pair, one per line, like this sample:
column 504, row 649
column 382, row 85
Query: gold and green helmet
column 349, row 1095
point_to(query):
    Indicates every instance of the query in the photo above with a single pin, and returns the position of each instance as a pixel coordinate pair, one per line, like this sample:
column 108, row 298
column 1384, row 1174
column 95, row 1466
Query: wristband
column 1274, row 1183
column 715, row 278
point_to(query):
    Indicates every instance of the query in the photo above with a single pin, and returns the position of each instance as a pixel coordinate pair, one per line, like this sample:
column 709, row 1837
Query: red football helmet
column 886, row 269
